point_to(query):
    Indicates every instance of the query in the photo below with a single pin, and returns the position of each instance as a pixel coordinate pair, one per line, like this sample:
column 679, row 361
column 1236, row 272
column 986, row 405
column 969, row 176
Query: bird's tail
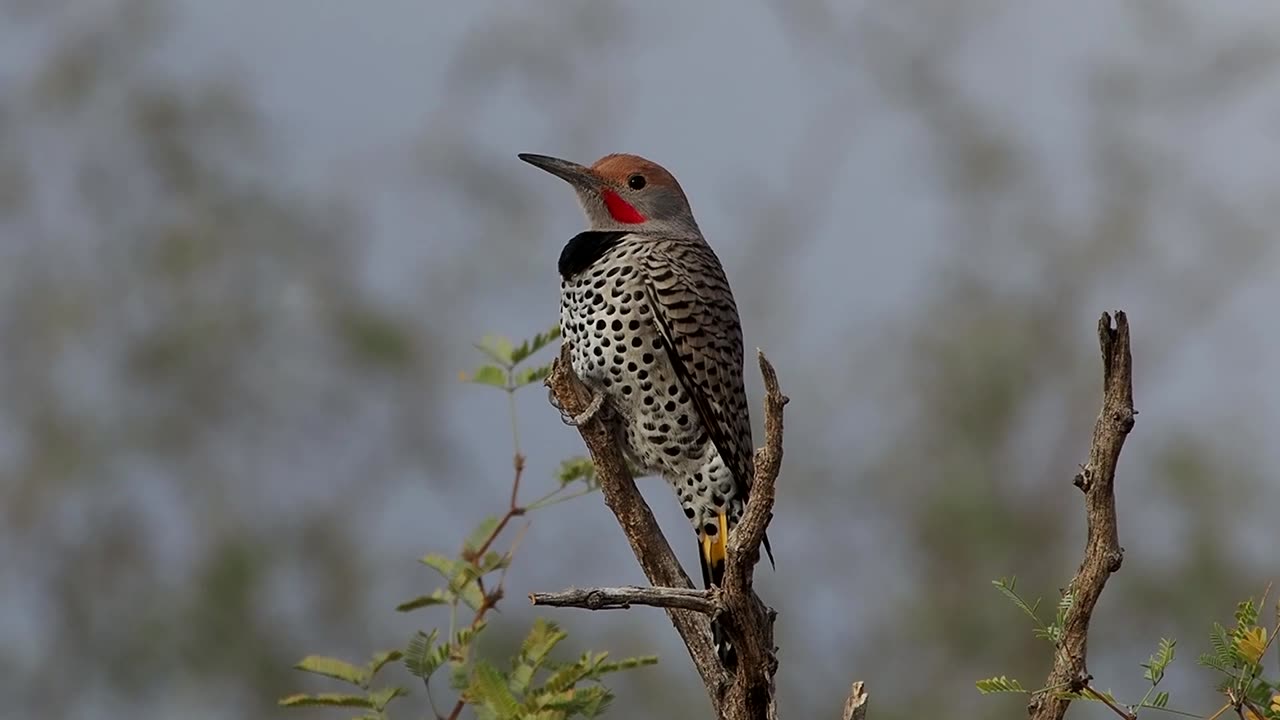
column 711, row 553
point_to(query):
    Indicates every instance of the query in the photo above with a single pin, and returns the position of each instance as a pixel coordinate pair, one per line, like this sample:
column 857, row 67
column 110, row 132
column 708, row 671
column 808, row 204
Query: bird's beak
column 573, row 173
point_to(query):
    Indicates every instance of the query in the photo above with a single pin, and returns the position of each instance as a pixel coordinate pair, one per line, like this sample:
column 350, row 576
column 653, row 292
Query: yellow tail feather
column 714, row 548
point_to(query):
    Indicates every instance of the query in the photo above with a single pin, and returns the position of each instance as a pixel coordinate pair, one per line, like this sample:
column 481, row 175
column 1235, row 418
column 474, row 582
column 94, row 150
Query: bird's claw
column 593, row 408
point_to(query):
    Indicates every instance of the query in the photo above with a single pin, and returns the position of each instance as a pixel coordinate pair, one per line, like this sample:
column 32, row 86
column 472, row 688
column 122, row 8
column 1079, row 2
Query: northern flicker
column 653, row 330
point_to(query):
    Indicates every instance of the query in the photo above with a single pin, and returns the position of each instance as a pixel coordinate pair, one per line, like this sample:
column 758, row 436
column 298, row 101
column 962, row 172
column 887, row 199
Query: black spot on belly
column 711, row 529
column 688, row 512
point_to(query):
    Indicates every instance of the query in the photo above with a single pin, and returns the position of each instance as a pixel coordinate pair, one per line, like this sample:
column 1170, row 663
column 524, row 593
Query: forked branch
column 747, row 694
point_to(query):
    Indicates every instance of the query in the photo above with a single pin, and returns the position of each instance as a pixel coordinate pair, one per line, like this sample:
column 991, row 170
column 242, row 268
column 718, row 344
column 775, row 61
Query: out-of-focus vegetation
column 228, row 421
column 536, row 686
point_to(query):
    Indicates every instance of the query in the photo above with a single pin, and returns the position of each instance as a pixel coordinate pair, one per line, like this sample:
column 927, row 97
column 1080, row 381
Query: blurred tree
column 178, row 328
column 195, row 378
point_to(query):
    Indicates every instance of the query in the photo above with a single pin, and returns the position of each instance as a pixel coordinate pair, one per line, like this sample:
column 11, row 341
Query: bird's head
column 625, row 192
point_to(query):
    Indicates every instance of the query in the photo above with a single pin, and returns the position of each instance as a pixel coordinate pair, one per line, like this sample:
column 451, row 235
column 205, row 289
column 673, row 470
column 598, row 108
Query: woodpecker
column 653, row 330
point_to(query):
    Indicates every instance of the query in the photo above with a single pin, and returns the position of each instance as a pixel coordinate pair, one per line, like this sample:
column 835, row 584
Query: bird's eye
column 635, row 182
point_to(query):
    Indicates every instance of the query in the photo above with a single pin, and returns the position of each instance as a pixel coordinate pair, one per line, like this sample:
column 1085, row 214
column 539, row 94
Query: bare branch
column 748, row 694
column 744, row 546
column 1103, row 553
column 855, row 707
column 748, row 621
column 622, row 598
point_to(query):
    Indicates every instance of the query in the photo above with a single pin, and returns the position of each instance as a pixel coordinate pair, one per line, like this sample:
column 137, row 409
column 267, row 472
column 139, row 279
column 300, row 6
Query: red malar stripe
column 620, row 209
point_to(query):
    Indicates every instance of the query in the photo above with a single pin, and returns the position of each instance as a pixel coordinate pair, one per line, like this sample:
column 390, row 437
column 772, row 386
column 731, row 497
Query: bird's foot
column 593, row 408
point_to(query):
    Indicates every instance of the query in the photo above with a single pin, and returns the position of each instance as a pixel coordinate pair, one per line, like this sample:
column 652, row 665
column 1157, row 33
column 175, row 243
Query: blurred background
column 245, row 248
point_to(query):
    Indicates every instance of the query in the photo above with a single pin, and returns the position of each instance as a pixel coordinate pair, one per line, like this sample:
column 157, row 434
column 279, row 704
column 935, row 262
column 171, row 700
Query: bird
column 653, row 331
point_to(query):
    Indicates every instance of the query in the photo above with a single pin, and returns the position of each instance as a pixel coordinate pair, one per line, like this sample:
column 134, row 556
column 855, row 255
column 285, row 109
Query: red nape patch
column 620, row 209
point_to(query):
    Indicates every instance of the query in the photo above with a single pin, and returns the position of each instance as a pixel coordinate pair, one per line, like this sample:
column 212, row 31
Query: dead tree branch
column 1103, row 553
column 747, row 694
column 855, row 707
column 700, row 601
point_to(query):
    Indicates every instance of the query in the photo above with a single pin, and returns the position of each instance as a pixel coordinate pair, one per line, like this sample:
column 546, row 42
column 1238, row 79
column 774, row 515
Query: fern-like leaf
column 1155, row 666
column 420, row 657
column 326, row 700
column 1000, row 684
column 1006, row 588
column 489, row 688
column 334, row 668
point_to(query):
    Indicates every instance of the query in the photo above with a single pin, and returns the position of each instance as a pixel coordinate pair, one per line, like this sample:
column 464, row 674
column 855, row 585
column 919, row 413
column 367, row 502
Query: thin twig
column 1109, row 703
column 490, row 598
column 621, row 598
column 1103, row 553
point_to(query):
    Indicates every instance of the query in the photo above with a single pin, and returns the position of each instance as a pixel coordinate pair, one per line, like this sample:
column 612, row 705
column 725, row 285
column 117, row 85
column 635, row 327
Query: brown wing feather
column 698, row 320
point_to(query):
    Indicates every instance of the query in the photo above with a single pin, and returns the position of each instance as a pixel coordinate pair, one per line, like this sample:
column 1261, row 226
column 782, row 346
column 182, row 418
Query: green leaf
column 1155, row 666
column 1000, row 684
column 1211, row 660
column 1064, row 607
column 494, row 560
column 1006, row 588
column 575, row 469
column 436, row 598
column 380, row 660
column 480, row 534
column 1246, row 614
column 566, row 677
column 586, row 701
column 420, row 657
column 380, row 698
column 1220, row 641
column 1160, row 700
column 537, row 645
column 489, row 375
column 447, row 567
column 529, row 376
column 497, row 347
column 543, row 715
column 461, row 577
column 1089, row 697
column 534, row 344
column 326, row 699
column 521, row 676
column 488, row 687
column 541, row 640
column 423, row 657
column 627, row 664
column 334, row 668
column 459, row 676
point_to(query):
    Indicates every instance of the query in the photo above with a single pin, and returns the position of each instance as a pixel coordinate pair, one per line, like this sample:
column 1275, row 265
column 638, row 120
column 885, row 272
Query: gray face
column 626, row 193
